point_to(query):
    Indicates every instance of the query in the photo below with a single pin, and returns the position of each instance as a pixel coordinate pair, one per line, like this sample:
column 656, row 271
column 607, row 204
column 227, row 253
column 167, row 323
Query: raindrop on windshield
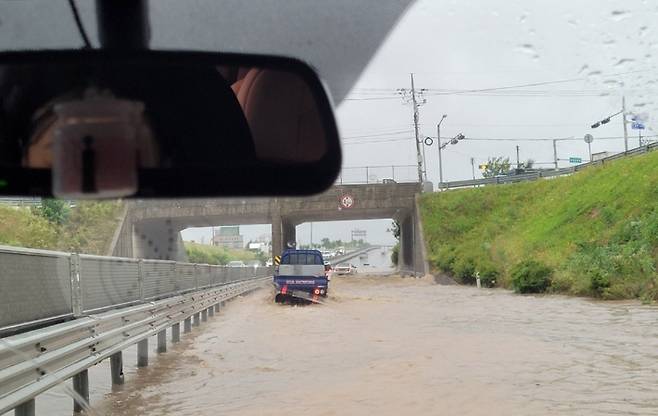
column 528, row 49
column 619, row 15
column 622, row 62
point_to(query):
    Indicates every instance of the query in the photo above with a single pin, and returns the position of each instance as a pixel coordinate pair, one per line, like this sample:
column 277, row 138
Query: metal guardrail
column 33, row 362
column 351, row 255
column 42, row 286
column 357, row 175
column 546, row 173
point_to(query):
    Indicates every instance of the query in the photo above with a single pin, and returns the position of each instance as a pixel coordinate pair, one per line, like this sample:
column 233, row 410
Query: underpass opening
column 250, row 244
column 335, row 239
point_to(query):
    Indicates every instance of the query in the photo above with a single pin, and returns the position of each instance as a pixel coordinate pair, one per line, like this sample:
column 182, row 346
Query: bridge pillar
column 158, row 239
column 283, row 232
column 406, row 256
column 288, row 232
column 277, row 237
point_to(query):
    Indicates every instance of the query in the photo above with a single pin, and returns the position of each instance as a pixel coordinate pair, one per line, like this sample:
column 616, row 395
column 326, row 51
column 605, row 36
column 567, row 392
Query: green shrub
column 489, row 274
column 530, row 276
column 464, row 270
column 395, row 254
column 445, row 258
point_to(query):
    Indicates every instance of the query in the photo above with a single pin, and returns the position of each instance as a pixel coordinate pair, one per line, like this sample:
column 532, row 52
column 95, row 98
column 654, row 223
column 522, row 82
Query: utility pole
column 555, row 153
column 415, row 107
column 438, row 145
column 518, row 163
column 623, row 113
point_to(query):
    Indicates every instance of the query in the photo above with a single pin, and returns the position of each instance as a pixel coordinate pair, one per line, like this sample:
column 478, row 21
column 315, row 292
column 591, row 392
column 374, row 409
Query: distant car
column 236, row 263
column 344, row 269
column 254, row 263
column 269, row 263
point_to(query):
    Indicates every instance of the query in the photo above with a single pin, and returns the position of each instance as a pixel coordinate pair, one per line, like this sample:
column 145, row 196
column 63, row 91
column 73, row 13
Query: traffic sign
column 588, row 138
column 637, row 126
column 346, row 201
column 575, row 160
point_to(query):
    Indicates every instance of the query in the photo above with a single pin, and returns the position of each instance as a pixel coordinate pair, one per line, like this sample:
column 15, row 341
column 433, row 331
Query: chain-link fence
column 37, row 286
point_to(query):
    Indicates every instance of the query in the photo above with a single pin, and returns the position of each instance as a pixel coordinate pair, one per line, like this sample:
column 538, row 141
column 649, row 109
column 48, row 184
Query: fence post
column 27, row 408
column 116, row 368
column 76, row 287
column 140, row 279
column 162, row 341
column 175, row 332
column 367, row 175
column 187, row 324
column 81, row 386
column 143, row 353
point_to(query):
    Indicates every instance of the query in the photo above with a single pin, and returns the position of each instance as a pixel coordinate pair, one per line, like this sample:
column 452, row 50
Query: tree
column 496, row 166
column 395, row 229
column 55, row 211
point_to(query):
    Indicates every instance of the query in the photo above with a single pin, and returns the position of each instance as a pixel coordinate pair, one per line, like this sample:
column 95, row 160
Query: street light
column 438, row 143
column 607, row 120
column 454, row 140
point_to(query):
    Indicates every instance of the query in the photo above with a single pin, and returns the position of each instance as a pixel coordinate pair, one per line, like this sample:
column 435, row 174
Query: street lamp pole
column 438, row 142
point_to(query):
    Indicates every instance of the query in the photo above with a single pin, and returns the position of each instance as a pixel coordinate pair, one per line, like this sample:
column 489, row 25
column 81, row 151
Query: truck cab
column 300, row 275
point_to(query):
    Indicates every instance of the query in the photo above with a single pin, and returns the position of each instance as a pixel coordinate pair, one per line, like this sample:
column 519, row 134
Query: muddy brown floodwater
column 383, row 345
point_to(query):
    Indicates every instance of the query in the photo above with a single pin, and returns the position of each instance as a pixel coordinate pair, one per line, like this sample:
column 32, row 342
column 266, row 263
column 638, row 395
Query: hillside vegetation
column 88, row 227
column 593, row 233
column 203, row 253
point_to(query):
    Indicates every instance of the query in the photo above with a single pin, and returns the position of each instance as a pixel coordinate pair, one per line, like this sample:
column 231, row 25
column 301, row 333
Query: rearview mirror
column 99, row 124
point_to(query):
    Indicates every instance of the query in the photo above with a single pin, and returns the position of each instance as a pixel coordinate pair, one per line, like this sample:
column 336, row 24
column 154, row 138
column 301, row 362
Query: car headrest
column 281, row 114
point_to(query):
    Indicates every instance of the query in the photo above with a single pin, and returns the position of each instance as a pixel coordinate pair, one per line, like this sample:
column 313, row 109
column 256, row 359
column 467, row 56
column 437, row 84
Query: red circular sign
column 346, row 201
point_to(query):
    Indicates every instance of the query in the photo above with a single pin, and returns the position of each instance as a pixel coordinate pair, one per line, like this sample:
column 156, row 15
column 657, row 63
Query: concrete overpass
column 151, row 229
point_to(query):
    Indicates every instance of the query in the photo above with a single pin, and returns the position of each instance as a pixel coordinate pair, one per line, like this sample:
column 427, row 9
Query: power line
column 515, row 139
column 438, row 91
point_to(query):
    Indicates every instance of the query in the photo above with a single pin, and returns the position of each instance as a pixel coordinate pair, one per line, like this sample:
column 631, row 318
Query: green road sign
column 575, row 160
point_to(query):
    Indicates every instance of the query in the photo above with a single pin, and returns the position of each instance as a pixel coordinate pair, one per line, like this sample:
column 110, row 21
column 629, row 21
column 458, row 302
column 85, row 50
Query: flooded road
column 390, row 346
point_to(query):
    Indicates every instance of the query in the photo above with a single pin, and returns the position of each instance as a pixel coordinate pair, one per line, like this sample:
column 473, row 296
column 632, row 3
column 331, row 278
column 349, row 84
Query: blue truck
column 301, row 275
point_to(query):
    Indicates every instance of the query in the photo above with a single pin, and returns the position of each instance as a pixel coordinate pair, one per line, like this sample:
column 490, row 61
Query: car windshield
column 494, row 223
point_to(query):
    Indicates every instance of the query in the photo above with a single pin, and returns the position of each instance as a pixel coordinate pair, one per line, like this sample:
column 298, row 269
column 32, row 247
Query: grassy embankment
column 86, row 228
column 203, row 253
column 595, row 233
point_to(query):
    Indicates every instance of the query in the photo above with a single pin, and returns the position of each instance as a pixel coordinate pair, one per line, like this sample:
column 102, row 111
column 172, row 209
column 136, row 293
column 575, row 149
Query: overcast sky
column 600, row 48
column 605, row 49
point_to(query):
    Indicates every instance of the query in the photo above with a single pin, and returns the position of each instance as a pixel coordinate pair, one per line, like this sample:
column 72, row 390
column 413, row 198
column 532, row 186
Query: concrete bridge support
column 158, row 239
column 412, row 259
column 283, row 232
